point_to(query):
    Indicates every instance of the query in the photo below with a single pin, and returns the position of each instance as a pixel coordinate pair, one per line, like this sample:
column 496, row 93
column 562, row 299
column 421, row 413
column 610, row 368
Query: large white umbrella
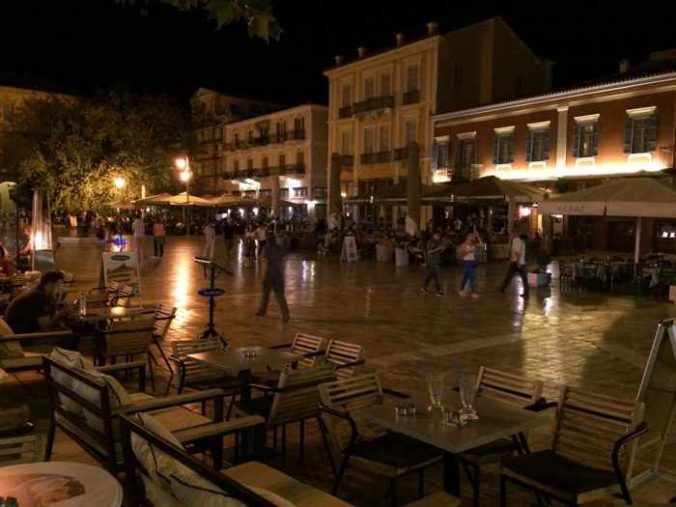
column 627, row 197
column 185, row 199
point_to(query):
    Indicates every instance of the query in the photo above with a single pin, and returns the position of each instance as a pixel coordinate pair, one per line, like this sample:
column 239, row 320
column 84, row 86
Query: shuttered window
column 537, row 145
column 412, row 81
column 586, row 139
column 640, row 135
column 503, row 148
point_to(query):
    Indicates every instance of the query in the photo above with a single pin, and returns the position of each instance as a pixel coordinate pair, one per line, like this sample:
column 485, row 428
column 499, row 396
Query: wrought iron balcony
column 410, row 97
column 345, row 112
column 373, row 104
column 377, row 157
column 347, row 160
column 297, row 134
column 401, row 153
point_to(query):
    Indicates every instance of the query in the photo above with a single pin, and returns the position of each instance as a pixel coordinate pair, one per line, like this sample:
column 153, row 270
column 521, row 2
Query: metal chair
column 588, row 460
column 389, row 455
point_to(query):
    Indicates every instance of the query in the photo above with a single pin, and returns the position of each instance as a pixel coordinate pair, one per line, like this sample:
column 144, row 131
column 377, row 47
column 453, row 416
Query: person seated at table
column 40, row 309
column 7, row 267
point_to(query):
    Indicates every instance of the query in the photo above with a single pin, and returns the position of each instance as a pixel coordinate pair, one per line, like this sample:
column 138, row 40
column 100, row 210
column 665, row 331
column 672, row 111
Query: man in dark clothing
column 432, row 263
column 272, row 256
column 229, row 237
column 37, row 310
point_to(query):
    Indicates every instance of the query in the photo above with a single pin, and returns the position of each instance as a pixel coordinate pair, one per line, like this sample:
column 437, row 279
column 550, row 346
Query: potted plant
column 537, row 274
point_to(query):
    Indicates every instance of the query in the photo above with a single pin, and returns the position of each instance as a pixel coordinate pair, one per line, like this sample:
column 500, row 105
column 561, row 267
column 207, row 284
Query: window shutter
column 628, row 130
column 576, row 140
column 546, row 140
column 652, row 133
column 529, row 146
column 511, row 142
column 496, row 147
column 435, row 156
column 456, row 153
column 595, row 140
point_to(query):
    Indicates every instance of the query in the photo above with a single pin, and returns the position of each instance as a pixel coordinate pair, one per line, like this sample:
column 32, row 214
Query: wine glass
column 435, row 386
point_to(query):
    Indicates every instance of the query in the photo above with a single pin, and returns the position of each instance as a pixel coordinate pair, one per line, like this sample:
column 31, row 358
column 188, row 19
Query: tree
column 257, row 14
column 81, row 145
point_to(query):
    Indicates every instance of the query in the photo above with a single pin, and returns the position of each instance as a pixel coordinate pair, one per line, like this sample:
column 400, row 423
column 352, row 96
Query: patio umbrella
column 127, row 205
column 626, row 197
column 492, row 187
column 161, row 198
column 185, row 199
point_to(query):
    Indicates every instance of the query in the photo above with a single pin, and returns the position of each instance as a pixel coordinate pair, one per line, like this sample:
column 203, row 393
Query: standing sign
column 349, row 253
column 658, row 392
column 121, row 267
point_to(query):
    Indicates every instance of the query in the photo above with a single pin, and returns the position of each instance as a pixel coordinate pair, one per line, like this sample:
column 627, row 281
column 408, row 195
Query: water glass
column 468, row 389
column 435, row 386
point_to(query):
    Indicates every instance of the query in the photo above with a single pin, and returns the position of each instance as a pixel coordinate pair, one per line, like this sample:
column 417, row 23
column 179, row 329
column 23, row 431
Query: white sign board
column 349, row 253
column 121, row 267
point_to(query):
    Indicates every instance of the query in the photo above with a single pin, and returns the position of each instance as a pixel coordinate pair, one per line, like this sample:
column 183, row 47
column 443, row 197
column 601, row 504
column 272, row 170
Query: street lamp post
column 183, row 164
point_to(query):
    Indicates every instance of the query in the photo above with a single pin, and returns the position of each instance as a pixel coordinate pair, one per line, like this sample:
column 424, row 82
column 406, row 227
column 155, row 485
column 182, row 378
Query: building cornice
column 277, row 114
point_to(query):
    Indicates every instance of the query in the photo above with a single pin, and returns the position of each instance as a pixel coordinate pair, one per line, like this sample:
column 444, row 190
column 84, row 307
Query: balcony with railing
column 377, row 157
column 297, row 135
column 400, row 153
column 410, row 97
column 344, row 112
column 373, row 104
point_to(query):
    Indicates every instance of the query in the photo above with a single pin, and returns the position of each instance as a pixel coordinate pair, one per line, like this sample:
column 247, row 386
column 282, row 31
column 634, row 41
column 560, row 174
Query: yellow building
column 15, row 143
column 210, row 112
column 280, row 158
column 381, row 103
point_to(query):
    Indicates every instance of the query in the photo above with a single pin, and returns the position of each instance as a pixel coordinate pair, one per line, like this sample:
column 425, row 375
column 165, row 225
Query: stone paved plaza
column 595, row 341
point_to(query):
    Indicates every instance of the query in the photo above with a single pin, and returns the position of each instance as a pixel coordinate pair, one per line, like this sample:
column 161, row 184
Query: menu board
column 121, row 267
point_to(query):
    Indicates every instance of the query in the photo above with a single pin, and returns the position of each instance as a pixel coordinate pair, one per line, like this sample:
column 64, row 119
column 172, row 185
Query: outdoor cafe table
column 235, row 362
column 114, row 312
column 60, row 483
column 496, row 421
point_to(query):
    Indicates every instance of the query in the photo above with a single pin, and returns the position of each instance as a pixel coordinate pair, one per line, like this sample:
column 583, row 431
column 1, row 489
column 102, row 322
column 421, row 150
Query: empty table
column 496, row 420
column 60, row 483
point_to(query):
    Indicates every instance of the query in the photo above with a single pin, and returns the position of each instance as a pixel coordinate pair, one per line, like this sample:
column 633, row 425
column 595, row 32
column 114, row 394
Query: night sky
column 83, row 45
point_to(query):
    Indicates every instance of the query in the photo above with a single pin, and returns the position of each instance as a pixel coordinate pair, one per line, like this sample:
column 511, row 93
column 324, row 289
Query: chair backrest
column 300, row 400
column 135, row 469
column 340, row 353
column 306, row 344
column 123, row 295
column 180, row 349
column 61, row 382
column 507, row 387
column 131, row 336
column 164, row 315
column 347, row 395
column 588, row 425
column 22, row 449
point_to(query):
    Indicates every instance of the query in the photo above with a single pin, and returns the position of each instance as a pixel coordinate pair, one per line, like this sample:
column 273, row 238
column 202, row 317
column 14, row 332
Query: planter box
column 384, row 253
column 400, row 257
column 539, row 279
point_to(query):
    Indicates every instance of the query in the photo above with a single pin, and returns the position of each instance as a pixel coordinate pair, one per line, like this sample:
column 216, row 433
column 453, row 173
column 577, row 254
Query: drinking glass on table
column 435, row 385
column 467, row 385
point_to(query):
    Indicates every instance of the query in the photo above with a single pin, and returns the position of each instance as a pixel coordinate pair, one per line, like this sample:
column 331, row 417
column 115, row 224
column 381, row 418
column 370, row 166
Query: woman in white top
column 138, row 228
column 468, row 256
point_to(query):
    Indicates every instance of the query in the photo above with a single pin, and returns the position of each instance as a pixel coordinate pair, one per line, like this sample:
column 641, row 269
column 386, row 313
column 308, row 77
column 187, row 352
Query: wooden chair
column 254, row 484
column 86, row 405
column 126, row 338
column 164, row 316
column 588, row 460
column 515, row 390
column 345, row 357
column 19, row 359
column 389, row 455
column 294, row 399
column 19, row 443
column 101, row 297
column 123, row 295
column 309, row 346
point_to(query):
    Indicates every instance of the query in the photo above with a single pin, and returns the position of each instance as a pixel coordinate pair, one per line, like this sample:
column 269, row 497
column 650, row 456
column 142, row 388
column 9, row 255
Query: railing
column 259, row 141
column 410, row 97
column 401, row 153
column 319, row 193
column 378, row 157
column 344, row 112
column 373, row 104
column 299, row 168
column 280, row 138
column 297, row 134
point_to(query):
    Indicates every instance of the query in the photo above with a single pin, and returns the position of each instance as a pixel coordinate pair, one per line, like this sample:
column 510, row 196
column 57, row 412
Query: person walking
column 467, row 254
column 209, row 241
column 517, row 265
column 272, row 270
column 261, row 239
column 159, row 235
column 138, row 229
column 228, row 237
column 432, row 264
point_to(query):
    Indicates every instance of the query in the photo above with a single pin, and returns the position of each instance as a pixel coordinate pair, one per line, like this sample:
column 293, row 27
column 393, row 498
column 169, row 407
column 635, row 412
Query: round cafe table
column 60, row 483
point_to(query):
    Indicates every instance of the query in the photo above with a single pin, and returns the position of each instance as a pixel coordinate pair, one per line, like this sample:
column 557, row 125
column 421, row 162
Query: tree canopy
column 80, row 145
